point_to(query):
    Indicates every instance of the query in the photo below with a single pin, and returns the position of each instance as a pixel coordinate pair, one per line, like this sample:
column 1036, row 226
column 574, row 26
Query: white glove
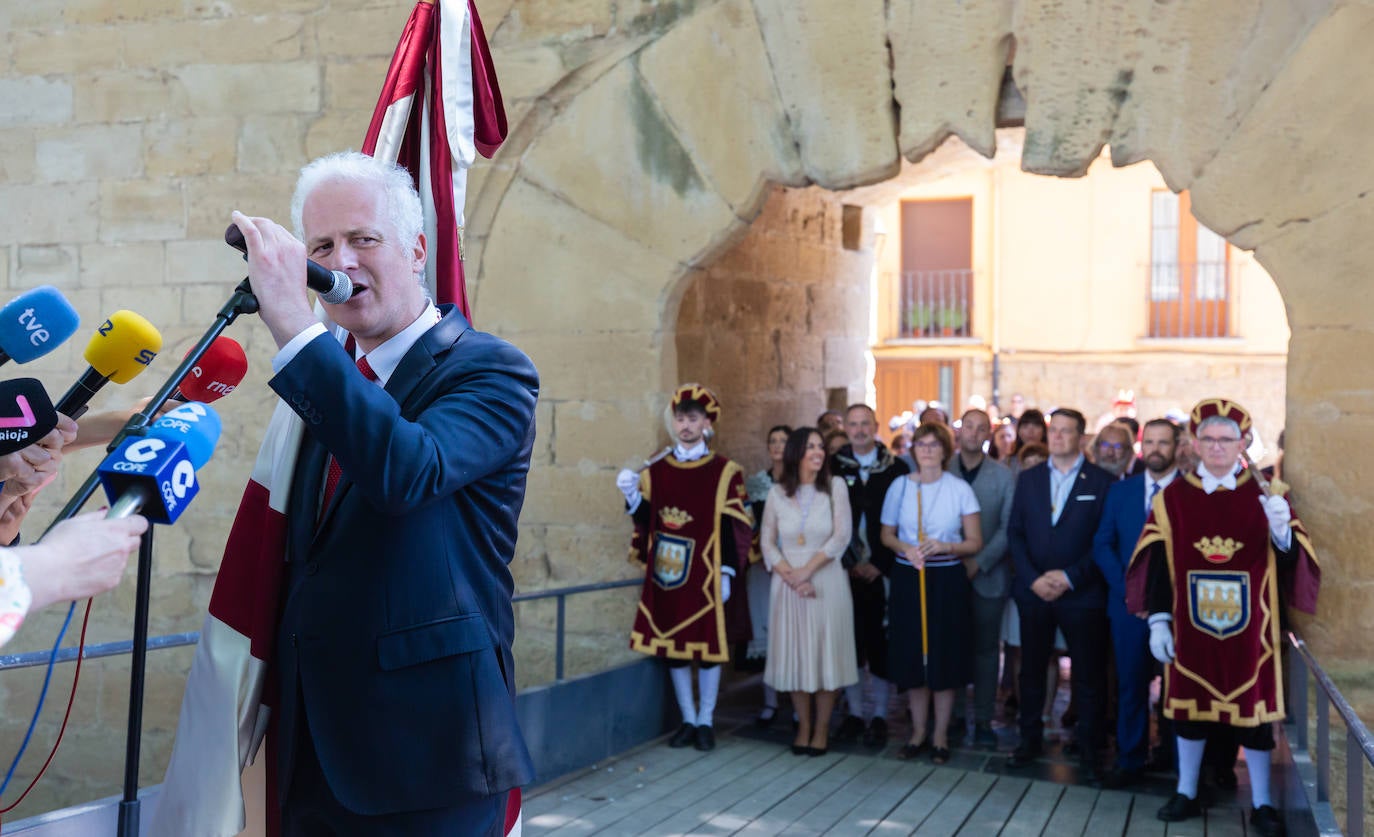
column 1279, row 513
column 628, row 483
column 1161, row 638
column 724, row 587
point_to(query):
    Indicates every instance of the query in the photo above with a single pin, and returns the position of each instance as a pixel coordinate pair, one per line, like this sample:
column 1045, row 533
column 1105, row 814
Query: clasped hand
column 1051, row 585
column 798, row 578
column 919, row 553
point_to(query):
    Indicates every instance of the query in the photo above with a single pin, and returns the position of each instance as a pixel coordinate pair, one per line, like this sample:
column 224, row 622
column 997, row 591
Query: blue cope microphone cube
column 153, row 475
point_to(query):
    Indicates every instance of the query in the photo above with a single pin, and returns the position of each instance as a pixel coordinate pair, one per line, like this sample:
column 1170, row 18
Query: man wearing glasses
column 1216, row 558
column 1114, row 450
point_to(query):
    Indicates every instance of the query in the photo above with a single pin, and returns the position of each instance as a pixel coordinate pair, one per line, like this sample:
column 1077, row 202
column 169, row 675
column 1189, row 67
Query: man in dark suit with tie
column 397, row 710
column 1054, row 515
column 1123, row 518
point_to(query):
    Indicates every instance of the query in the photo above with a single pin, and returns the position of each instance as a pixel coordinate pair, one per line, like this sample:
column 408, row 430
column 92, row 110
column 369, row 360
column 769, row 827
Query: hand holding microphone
column 79, row 558
column 275, row 259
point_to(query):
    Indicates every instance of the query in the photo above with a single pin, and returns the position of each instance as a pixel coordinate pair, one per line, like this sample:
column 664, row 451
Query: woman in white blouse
column 806, row 528
column 931, row 521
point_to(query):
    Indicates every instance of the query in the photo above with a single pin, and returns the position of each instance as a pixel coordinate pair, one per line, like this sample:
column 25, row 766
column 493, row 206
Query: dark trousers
column 311, row 809
column 1134, row 670
column 987, row 636
column 870, row 637
column 1085, row 631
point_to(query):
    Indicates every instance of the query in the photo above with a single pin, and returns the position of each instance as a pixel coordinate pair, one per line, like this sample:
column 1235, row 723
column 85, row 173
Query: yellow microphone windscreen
column 123, row 346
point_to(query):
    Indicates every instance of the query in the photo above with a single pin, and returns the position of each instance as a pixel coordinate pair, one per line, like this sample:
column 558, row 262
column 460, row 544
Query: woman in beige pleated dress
column 806, row 528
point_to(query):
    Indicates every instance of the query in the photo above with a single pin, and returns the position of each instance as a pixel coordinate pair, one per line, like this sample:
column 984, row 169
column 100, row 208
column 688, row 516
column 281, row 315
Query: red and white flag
column 439, row 107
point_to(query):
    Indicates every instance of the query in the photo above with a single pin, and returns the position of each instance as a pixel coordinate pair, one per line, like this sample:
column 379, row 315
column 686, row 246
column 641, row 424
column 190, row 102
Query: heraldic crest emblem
column 672, row 559
column 1219, row 602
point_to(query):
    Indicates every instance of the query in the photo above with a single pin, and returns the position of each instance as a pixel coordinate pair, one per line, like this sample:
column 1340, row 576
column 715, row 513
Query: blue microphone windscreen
column 36, row 322
column 195, row 425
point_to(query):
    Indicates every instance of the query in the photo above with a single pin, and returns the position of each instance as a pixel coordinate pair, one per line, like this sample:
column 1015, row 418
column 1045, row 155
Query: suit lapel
column 417, row 362
column 309, row 482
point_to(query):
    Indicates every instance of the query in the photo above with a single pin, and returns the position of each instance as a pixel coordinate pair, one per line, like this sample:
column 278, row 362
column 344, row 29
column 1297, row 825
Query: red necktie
column 331, row 480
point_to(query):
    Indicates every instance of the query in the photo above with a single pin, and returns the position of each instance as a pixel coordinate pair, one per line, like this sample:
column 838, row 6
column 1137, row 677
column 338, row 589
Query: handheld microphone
column 156, row 474
column 26, row 414
column 333, row 286
column 34, row 323
column 219, row 371
column 121, row 348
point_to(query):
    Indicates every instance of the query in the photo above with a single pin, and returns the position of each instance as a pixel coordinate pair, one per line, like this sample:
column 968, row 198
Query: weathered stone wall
column 777, row 321
column 644, row 136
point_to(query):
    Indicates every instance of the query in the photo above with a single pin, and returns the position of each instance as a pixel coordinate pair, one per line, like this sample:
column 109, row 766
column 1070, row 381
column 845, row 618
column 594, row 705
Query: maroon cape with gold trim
column 680, row 544
column 1226, row 599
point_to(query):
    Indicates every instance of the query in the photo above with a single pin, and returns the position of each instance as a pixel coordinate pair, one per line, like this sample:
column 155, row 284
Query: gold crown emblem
column 674, row 518
column 1218, row 550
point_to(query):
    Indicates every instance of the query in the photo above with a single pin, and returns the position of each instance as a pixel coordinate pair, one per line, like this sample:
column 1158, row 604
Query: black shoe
column 1089, row 774
column 765, row 718
column 984, row 737
column 910, row 751
column 1179, row 808
column 685, row 736
column 876, row 734
column 706, row 738
column 1266, row 821
column 1119, row 778
column 800, row 749
column 817, row 751
column 1023, row 756
column 939, row 756
column 850, row 729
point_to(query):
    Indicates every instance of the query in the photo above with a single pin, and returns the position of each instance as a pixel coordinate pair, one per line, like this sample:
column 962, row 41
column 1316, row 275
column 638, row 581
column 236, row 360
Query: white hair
column 403, row 202
column 1220, row 421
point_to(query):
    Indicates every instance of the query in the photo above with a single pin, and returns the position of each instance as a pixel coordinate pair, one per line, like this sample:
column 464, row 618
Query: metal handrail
column 562, row 593
column 1358, row 738
column 31, row 659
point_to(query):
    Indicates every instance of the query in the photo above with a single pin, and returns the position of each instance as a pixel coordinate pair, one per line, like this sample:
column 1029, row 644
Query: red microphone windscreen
column 220, row 369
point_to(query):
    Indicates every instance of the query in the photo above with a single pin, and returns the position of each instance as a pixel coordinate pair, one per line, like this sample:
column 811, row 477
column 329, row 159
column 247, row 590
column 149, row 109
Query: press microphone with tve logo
column 34, row 323
column 156, row 474
column 26, row 414
column 333, row 286
column 121, row 348
column 216, row 374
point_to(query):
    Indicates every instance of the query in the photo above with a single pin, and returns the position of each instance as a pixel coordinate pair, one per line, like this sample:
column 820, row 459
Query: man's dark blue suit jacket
column 1038, row 546
column 397, row 627
column 1123, row 518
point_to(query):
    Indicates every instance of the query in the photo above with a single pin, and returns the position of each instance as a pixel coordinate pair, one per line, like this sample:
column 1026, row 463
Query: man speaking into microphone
column 394, row 642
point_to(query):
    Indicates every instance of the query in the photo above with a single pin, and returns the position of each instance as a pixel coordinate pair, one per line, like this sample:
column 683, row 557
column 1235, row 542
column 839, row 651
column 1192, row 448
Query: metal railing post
column 1323, row 747
column 558, row 646
column 1297, row 695
column 1354, row 786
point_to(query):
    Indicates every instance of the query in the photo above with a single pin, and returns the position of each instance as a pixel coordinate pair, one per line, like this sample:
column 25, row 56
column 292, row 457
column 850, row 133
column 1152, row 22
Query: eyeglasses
column 927, row 445
column 1117, row 446
column 1217, row 441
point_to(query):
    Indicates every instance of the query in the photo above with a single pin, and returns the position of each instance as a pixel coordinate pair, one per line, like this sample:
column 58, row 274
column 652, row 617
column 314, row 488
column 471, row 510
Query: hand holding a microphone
column 276, row 268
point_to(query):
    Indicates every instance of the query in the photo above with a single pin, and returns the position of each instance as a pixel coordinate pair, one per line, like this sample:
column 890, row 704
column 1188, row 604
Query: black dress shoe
column 876, row 734
column 706, row 738
column 685, row 736
column 850, row 729
column 1089, row 774
column 1119, row 778
column 817, row 751
column 1179, row 808
column 1022, row 756
column 1266, row 821
column 910, row 751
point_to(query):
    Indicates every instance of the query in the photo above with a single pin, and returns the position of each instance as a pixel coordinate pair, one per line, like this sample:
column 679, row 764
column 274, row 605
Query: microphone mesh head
column 342, row 290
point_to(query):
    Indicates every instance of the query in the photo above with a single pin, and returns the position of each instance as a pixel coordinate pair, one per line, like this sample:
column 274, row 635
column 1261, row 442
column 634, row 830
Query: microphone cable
column 42, row 696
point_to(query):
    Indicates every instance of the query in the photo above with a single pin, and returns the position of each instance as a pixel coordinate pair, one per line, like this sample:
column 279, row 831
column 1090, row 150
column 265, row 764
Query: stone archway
column 631, row 173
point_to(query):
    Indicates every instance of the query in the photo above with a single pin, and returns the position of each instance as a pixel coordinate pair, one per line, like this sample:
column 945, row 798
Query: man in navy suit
column 1128, row 504
column 1054, row 515
column 397, row 700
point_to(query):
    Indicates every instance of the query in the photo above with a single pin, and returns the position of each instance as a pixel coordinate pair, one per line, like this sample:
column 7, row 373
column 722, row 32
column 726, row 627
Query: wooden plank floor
column 751, row 785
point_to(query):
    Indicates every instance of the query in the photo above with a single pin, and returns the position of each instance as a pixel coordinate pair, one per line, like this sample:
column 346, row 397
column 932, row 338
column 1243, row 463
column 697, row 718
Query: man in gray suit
column 988, row 569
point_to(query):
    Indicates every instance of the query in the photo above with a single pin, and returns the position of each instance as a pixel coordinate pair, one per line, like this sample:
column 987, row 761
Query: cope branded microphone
column 121, row 348
column 219, row 371
column 34, row 323
column 156, row 474
column 333, row 286
column 26, row 414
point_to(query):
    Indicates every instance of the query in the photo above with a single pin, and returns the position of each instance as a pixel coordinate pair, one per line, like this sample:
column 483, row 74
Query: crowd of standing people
column 976, row 547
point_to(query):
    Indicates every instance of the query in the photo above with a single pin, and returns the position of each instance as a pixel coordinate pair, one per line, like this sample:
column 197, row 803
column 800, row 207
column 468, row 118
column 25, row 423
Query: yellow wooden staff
column 921, row 573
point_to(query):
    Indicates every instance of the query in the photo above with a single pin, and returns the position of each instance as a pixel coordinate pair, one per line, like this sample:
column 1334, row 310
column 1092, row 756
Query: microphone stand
column 241, row 301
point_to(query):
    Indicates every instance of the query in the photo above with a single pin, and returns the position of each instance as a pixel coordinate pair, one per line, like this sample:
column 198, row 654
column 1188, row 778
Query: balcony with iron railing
column 1191, row 300
column 930, row 305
